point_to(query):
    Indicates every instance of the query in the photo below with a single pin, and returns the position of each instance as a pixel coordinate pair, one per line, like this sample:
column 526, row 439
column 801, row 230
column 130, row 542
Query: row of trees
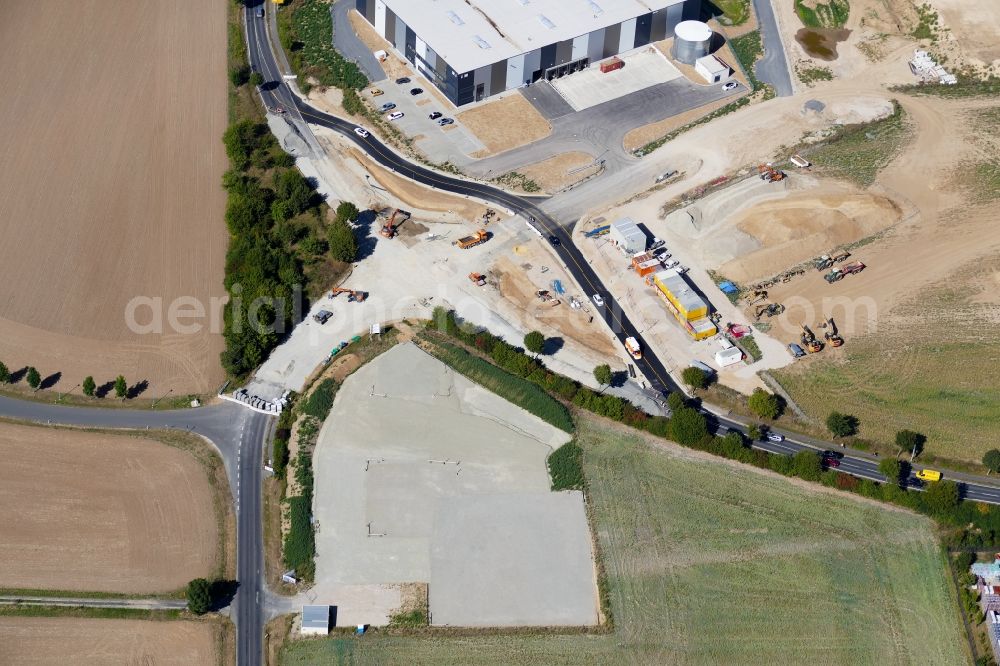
column 89, row 386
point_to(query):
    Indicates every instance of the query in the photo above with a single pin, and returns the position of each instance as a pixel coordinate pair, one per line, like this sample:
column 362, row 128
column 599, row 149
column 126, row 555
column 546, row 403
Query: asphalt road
column 773, row 67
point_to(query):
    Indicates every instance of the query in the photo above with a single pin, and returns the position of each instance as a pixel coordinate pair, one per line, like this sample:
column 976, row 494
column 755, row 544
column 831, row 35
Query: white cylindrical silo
column 692, row 40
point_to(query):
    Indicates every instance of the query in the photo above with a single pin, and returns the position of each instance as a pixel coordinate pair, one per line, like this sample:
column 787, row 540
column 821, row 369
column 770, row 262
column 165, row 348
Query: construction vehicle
column 391, row 228
column 633, row 347
column 809, row 340
column 477, row 279
column 756, row 296
column 353, row 296
column 831, row 335
column 769, row 173
column 480, row 236
column 769, row 309
column 827, row 260
column 839, row 272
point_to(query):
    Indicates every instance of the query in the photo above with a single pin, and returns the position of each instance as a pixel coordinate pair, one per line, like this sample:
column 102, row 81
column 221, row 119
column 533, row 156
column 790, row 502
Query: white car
column 598, row 301
column 395, row 115
column 361, row 131
column 671, row 264
column 729, row 86
column 775, row 437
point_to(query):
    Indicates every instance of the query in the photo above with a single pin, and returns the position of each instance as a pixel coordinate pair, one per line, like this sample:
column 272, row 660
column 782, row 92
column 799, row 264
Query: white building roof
column 316, row 617
column 712, row 65
column 470, row 34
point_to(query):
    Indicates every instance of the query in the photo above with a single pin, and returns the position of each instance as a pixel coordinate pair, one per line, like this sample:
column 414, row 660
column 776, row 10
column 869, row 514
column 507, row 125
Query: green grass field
column 734, row 12
column 710, row 563
column 931, row 368
column 832, row 14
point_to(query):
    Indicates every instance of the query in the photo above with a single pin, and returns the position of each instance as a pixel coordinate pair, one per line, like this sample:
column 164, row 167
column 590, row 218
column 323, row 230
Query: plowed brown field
column 110, row 171
column 52, row 640
column 100, row 512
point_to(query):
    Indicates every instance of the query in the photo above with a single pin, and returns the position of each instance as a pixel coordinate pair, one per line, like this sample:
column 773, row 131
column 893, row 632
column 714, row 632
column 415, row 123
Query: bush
column 534, row 342
column 199, row 596
column 942, row 497
column 239, row 75
column 343, row 244
column 991, row 460
column 807, row 465
column 695, row 377
column 566, row 467
column 320, row 401
column 313, row 26
column 675, row 400
column 841, row 425
column 300, row 543
column 4, row 373
column 602, row 374
column 688, row 426
column 763, row 404
column 256, row 79
column 279, row 456
column 892, row 470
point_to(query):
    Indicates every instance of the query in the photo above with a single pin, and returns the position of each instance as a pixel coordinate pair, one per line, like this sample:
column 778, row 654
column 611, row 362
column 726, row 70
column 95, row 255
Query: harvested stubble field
column 712, row 562
column 73, row 640
column 111, row 170
column 99, row 512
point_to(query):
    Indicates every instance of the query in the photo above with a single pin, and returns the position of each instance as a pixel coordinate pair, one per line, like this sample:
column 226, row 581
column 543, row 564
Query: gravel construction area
column 111, row 165
column 423, row 476
column 91, row 511
column 504, row 123
column 65, row 640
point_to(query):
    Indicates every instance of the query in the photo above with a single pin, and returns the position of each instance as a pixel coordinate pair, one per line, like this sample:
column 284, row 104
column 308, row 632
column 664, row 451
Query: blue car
column 797, row 351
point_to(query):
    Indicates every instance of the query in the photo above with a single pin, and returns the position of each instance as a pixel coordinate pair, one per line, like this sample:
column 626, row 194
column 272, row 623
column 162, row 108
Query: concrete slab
column 524, row 565
column 643, row 68
column 546, row 100
column 407, row 447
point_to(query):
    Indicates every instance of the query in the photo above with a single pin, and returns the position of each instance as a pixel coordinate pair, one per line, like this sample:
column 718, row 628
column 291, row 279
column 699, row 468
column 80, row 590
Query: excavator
column 353, row 296
column 769, row 309
column 809, row 340
column 756, row 296
column 391, row 228
column 769, row 173
column 831, row 335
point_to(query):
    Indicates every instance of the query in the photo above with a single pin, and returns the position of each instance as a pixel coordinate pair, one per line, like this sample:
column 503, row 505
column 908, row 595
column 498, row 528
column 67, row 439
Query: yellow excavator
column 809, row 341
column 831, row 335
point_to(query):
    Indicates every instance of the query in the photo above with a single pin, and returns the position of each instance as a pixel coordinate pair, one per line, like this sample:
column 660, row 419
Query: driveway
column 773, row 67
column 349, row 45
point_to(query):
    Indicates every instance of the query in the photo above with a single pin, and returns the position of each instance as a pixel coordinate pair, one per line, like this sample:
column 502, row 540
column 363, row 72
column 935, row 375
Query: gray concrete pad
column 512, row 560
column 643, row 68
column 546, row 100
column 408, row 453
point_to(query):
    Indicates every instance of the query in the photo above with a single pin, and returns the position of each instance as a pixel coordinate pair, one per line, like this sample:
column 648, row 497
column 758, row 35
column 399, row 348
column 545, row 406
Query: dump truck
column 633, row 347
column 480, row 236
column 839, row 272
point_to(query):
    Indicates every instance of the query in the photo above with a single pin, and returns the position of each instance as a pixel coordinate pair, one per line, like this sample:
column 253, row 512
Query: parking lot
column 461, row 503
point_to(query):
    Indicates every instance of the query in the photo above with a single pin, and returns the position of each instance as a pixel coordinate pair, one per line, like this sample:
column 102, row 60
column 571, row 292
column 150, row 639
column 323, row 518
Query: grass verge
column 832, row 14
column 734, row 12
column 99, row 613
column 697, row 551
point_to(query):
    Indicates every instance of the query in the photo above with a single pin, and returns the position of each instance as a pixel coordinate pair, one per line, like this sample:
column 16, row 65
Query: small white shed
column 728, row 357
column 628, row 236
column 315, row 620
column 712, row 69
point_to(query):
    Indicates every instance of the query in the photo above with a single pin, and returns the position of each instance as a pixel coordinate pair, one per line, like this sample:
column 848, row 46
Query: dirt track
column 51, row 640
column 96, row 512
column 111, row 185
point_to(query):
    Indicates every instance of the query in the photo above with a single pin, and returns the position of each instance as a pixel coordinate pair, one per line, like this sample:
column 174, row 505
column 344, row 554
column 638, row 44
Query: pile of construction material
column 925, row 67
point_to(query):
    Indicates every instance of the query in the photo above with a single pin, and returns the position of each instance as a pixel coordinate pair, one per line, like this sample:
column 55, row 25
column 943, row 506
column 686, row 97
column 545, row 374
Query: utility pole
column 65, row 393
column 153, row 406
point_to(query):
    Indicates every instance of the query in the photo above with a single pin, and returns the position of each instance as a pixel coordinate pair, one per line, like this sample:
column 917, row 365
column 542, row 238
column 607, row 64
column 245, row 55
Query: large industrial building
column 471, row 49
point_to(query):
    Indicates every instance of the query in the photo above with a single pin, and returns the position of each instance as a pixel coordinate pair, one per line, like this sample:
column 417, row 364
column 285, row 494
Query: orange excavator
column 353, row 296
column 769, row 173
column 391, row 228
column 809, row 340
column 832, row 337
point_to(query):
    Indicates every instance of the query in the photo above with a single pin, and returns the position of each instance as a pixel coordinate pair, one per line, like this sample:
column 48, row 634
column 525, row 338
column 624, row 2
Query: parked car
column 376, row 92
column 673, row 263
column 598, row 301
column 402, row 80
column 661, row 253
column 554, row 240
column 395, row 115
column 361, row 131
column 775, row 437
column 435, row 115
column 322, row 316
column 656, row 244
column 445, row 121
column 730, row 86
column 796, row 350
column 388, row 106
column 666, row 176
column 416, row 91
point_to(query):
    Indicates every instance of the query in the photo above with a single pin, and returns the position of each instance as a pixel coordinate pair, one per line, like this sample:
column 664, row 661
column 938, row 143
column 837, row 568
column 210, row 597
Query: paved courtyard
column 424, row 476
column 643, row 68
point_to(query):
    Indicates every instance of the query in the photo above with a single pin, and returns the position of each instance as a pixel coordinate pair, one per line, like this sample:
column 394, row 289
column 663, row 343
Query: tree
column 199, row 596
column 807, row 465
column 4, row 373
column 534, row 342
column 239, row 75
column 763, row 404
column 293, row 189
column 347, row 212
column 89, row 386
column 256, row 79
column 343, row 245
column 892, row 469
column 688, row 426
column 991, row 459
column 910, row 441
column 121, row 387
column 675, row 400
column 34, row 379
column 942, row 496
column 602, row 374
column 841, row 425
column 754, row 432
column 695, row 377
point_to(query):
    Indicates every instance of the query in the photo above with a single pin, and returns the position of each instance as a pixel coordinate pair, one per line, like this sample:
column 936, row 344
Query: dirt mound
column 804, row 224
